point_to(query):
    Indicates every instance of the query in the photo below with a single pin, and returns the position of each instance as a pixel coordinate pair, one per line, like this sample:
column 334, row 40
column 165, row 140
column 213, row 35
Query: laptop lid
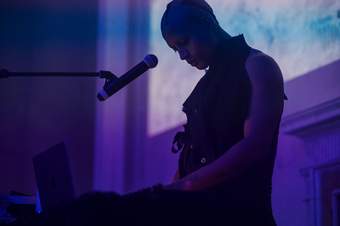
column 53, row 177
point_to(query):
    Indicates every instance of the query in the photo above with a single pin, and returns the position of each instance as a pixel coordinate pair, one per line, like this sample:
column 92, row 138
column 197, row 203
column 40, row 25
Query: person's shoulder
column 262, row 67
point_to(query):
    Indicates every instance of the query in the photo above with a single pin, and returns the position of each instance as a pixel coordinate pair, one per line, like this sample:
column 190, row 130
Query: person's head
column 191, row 28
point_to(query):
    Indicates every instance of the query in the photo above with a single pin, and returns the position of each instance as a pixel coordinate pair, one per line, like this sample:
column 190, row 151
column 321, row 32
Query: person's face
column 193, row 47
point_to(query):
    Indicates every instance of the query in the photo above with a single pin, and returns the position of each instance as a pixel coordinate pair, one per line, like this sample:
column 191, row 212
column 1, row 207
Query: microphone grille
column 151, row 60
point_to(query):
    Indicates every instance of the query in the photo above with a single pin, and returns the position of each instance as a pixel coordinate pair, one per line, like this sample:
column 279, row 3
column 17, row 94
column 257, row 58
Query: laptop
column 53, row 177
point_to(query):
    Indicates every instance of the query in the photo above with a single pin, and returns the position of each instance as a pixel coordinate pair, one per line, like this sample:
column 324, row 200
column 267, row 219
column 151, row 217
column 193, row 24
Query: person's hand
column 182, row 185
column 176, row 177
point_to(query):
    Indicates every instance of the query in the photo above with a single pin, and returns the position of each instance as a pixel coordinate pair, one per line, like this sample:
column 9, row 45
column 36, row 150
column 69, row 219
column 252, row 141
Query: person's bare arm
column 259, row 129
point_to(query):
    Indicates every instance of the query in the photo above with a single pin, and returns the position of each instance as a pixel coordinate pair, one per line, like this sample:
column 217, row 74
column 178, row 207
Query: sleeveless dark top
column 216, row 111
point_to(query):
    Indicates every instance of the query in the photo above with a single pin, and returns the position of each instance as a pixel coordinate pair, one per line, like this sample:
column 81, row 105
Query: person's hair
column 201, row 13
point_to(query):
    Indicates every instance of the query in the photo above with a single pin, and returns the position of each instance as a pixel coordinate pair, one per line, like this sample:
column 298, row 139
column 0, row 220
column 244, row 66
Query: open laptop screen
column 53, row 177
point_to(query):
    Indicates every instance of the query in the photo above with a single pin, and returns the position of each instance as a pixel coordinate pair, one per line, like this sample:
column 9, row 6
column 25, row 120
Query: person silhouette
column 228, row 145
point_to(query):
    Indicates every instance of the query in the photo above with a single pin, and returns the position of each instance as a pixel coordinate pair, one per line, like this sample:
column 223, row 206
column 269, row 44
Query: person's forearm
column 234, row 162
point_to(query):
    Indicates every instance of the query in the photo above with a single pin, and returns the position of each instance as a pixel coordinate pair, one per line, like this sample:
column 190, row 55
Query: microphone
column 114, row 85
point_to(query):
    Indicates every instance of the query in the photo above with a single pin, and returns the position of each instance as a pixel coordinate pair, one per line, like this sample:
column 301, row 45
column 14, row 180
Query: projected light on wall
column 301, row 35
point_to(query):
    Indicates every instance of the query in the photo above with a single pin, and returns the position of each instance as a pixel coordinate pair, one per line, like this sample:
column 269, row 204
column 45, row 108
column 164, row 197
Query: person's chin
column 201, row 66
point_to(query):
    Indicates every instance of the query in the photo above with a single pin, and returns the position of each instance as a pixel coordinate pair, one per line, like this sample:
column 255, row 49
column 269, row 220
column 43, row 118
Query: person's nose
column 183, row 53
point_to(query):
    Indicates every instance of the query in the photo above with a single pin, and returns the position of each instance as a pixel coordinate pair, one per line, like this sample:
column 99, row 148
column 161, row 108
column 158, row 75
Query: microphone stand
column 107, row 75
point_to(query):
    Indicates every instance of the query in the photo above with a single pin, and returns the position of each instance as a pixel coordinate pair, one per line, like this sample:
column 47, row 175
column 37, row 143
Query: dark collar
column 230, row 51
